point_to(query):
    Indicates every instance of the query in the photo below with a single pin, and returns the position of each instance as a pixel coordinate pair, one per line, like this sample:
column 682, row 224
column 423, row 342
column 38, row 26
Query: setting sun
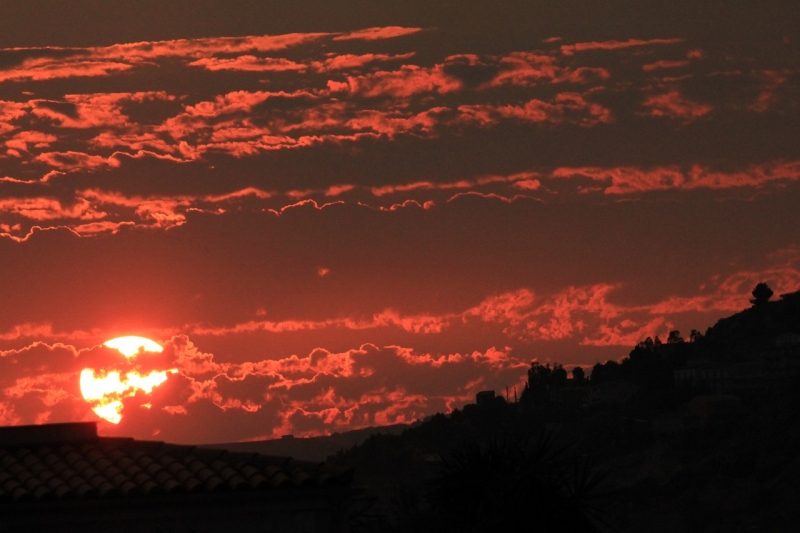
column 105, row 390
column 130, row 345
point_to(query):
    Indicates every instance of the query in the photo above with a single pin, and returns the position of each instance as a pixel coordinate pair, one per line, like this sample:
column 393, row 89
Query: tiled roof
column 70, row 462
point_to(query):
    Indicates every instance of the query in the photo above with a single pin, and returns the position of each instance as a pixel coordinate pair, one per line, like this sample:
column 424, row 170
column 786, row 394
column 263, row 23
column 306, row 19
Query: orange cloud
column 318, row 393
column 674, row 105
column 565, row 107
column 664, row 63
column 767, row 98
column 628, row 332
column 372, row 34
column 249, row 63
column 525, row 68
column 92, row 110
column 350, row 61
column 47, row 69
column 391, row 124
column 69, row 161
column 21, row 140
column 628, row 180
column 570, row 49
column 49, row 209
column 407, row 81
column 150, row 50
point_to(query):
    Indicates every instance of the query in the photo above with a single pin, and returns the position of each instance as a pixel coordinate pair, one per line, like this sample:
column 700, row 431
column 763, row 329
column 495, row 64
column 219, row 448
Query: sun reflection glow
column 104, row 391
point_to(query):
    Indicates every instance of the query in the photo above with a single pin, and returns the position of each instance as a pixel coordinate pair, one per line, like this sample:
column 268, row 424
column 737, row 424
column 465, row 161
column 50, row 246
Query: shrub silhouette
column 510, row 482
column 761, row 294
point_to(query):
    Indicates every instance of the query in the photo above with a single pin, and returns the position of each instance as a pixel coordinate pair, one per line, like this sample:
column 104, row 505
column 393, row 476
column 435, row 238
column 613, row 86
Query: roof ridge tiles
column 105, row 467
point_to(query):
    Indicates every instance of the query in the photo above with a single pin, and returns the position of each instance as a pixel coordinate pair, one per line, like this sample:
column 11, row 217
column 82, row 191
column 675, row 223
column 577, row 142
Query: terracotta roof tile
column 71, row 462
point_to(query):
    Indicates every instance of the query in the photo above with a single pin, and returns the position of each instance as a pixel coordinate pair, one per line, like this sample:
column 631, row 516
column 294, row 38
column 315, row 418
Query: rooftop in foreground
column 67, row 461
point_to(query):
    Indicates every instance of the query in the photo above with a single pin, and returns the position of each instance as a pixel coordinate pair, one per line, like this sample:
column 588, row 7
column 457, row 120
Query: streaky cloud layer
column 334, row 219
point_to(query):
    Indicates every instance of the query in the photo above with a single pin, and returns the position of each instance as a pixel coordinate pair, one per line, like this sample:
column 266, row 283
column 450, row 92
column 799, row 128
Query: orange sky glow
column 330, row 218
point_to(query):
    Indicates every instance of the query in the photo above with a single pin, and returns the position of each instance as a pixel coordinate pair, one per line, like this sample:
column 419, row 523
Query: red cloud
column 570, row 107
column 582, row 75
column 47, row 69
column 525, row 68
column 664, row 63
column 336, row 190
column 104, row 60
column 249, row 63
column 570, row 49
column 627, row 180
column 675, row 105
column 770, row 81
column 407, row 81
column 391, row 124
column 138, row 52
column 211, row 114
column 10, row 111
column 627, row 332
column 249, row 191
column 133, row 141
column 386, row 318
column 21, row 140
column 28, row 330
column 733, row 292
column 522, row 180
column 349, row 61
column 76, row 160
column 49, row 209
column 278, row 64
column 372, row 34
column 314, row 394
column 92, row 110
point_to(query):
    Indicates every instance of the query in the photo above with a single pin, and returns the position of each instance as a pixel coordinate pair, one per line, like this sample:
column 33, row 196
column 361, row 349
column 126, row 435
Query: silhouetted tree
column 537, row 388
column 603, row 373
column 646, row 344
column 695, row 336
column 558, row 376
column 761, row 294
column 578, row 375
column 503, row 484
column 674, row 337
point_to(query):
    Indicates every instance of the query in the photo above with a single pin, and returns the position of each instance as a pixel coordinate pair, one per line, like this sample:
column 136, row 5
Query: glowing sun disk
column 130, row 345
column 104, row 391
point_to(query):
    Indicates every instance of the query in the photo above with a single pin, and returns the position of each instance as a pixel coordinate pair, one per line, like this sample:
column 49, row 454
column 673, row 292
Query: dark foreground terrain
column 699, row 436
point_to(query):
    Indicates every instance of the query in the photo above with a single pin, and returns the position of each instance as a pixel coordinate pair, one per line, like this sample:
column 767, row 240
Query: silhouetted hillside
column 310, row 448
column 753, row 329
column 672, row 455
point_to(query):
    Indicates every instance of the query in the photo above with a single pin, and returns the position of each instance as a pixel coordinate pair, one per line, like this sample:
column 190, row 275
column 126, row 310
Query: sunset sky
column 339, row 214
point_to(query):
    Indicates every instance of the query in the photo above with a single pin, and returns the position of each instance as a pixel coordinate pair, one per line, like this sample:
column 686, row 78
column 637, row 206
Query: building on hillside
column 65, row 478
column 761, row 371
column 784, row 360
column 716, row 408
column 702, row 372
column 613, row 393
column 484, row 398
column 575, row 395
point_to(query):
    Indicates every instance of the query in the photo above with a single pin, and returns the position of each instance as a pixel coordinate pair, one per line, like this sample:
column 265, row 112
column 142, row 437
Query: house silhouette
column 64, row 477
